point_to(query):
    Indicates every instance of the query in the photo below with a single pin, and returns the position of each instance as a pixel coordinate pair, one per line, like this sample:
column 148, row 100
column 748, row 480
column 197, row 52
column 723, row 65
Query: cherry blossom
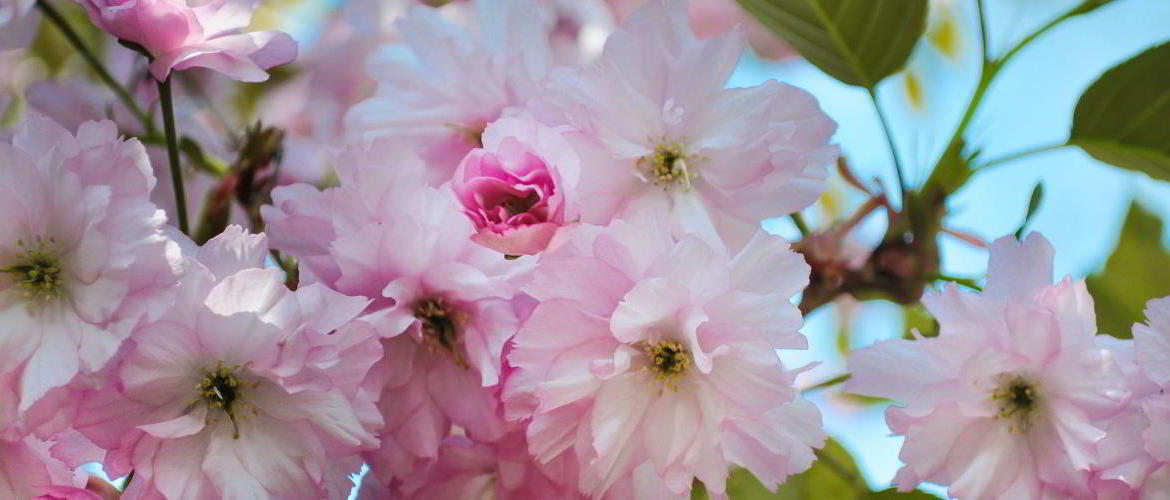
column 516, row 189
column 459, row 80
column 655, row 354
column 656, row 121
column 444, row 304
column 1010, row 400
column 181, row 34
column 243, row 389
column 82, row 255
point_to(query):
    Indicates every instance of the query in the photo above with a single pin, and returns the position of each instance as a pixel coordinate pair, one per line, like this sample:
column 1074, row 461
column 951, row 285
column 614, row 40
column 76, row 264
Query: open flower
column 1009, row 400
column 82, row 254
column 442, row 303
column 651, row 360
column 460, row 80
column 472, row 470
column 655, row 121
column 181, row 34
column 514, row 189
column 244, row 389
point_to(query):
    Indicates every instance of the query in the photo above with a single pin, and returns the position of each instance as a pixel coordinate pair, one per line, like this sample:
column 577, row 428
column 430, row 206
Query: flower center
column 516, row 205
column 38, row 271
column 220, row 388
column 470, row 134
column 668, row 166
column 669, row 361
column 440, row 327
column 1018, row 399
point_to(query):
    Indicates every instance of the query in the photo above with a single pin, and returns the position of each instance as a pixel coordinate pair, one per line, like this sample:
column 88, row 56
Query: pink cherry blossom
column 1125, row 468
column 656, row 121
column 1137, row 459
column 182, row 34
column 243, row 389
column 27, row 469
column 468, row 469
column 651, row 360
column 1010, row 400
column 443, row 303
column 516, row 189
column 82, row 255
column 459, row 80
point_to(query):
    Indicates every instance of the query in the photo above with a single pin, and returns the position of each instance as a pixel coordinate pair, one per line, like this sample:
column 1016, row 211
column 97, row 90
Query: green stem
column 827, row 383
column 168, row 112
column 1020, row 154
column 90, row 58
column 129, row 477
column 889, row 140
column 983, row 32
column 800, row 224
column 967, row 282
column 991, row 67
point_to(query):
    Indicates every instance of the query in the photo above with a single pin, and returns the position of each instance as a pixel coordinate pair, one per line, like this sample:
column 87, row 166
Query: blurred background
column 1105, row 222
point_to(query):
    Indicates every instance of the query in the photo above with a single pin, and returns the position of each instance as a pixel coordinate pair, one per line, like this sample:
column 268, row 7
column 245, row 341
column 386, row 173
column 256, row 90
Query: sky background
column 1030, row 104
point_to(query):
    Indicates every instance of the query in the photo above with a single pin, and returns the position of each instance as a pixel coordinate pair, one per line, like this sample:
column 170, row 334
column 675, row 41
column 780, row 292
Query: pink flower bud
column 513, row 189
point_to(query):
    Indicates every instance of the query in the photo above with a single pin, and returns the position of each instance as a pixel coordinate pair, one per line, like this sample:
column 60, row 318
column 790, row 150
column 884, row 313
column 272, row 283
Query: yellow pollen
column 668, row 165
column 1018, row 400
column 669, row 361
column 38, row 271
column 221, row 389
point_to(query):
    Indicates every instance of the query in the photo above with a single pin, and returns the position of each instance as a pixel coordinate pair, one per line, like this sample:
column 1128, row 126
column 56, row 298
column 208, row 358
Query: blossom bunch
column 484, row 260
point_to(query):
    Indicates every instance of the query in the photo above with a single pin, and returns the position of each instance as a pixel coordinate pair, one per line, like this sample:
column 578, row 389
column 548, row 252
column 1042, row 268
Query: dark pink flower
column 513, row 189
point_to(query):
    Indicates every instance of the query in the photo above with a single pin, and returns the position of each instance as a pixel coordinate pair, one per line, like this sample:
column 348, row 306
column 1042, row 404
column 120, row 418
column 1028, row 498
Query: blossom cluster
column 497, row 264
column 534, row 277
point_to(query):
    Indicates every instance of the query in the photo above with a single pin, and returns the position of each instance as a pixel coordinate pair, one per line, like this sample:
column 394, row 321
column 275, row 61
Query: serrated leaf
column 1122, row 118
column 1033, row 204
column 858, row 42
column 1137, row 271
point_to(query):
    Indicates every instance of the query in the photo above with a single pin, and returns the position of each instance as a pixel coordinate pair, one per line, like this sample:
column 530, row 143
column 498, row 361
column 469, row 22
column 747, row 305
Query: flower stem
column 1020, row 154
column 890, row 140
column 967, row 282
column 992, row 66
column 90, row 58
column 826, row 383
column 800, row 224
column 168, row 112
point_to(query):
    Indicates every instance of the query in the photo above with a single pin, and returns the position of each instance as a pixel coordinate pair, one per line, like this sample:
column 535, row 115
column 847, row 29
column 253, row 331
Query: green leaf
column 1033, row 204
column 1137, row 271
column 833, row 476
column 1122, row 118
column 859, row 42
